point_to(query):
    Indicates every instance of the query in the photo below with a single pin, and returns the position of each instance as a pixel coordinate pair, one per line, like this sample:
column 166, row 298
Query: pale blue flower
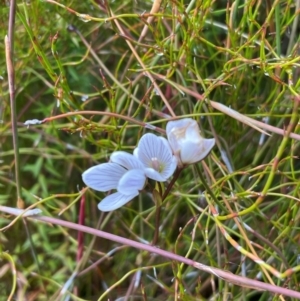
column 156, row 156
column 124, row 172
column 186, row 142
column 128, row 173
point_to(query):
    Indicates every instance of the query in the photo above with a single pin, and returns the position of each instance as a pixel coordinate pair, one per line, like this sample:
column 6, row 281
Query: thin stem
column 157, row 223
column 6, row 256
column 11, row 84
column 276, row 160
column 11, row 27
column 103, row 113
column 254, row 257
column 9, row 53
column 207, row 188
column 171, row 184
column 159, row 199
column 257, row 125
column 147, row 73
column 235, row 279
column 278, row 29
column 293, row 34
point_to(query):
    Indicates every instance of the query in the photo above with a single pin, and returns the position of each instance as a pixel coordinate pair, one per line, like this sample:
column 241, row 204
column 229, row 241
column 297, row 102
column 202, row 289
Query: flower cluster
column 155, row 158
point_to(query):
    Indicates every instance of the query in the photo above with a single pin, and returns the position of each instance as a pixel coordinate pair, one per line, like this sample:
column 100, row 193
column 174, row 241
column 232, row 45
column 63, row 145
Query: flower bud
column 186, row 142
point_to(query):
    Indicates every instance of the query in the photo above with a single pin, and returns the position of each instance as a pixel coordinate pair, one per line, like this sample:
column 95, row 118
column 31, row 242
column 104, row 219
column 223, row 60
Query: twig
column 235, row 279
column 11, row 85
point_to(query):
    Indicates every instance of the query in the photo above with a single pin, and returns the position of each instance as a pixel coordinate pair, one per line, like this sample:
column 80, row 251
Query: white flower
column 186, row 142
column 156, row 156
column 127, row 173
column 124, row 172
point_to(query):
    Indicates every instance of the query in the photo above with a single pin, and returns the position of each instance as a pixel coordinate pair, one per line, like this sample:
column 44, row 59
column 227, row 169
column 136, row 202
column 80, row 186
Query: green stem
column 159, row 200
column 174, row 179
column 280, row 151
column 207, row 188
column 277, row 24
column 157, row 219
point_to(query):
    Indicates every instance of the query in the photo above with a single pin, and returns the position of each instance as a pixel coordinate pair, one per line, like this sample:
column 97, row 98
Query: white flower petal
column 174, row 144
column 178, row 124
column 195, row 152
column 169, row 168
column 147, row 149
column 193, row 132
column 154, row 175
column 177, row 132
column 127, row 160
column 132, row 181
column 155, row 154
column 103, row 177
column 115, row 201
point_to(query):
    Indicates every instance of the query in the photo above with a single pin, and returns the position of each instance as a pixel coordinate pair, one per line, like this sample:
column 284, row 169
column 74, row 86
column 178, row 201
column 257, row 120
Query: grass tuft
column 91, row 78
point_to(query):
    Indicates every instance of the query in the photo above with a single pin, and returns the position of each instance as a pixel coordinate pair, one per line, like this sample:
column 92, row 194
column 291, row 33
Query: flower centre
column 156, row 165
